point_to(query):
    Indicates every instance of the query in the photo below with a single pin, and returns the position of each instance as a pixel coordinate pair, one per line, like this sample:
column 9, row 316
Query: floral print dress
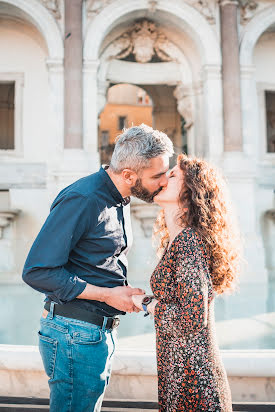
column 191, row 376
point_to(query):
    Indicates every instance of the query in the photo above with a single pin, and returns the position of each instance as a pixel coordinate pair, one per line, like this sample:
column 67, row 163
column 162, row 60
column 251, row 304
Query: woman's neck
column 171, row 219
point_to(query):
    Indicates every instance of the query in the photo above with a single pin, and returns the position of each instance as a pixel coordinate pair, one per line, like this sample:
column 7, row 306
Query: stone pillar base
column 240, row 173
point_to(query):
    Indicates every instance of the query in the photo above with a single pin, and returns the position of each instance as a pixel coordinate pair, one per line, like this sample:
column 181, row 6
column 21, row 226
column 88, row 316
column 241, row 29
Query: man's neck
column 118, row 182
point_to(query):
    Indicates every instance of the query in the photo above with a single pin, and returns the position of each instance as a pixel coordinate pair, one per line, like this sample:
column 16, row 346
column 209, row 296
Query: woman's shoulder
column 188, row 242
column 188, row 236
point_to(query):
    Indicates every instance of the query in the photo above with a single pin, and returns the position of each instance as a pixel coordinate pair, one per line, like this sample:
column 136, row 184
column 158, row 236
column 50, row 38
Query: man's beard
column 142, row 193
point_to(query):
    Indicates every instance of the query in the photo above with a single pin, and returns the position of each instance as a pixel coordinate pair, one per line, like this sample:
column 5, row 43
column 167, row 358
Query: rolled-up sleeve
column 44, row 270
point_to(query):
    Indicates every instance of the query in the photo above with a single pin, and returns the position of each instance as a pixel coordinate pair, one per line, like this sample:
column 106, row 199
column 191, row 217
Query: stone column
column 56, row 82
column 91, row 100
column 212, row 144
column 250, row 113
column 231, row 76
column 73, row 74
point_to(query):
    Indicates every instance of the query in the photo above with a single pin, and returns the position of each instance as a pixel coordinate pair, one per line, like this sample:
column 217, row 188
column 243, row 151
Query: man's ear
column 129, row 177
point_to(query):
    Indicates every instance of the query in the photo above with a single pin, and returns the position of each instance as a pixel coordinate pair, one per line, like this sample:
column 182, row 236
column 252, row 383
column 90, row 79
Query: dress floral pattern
column 191, row 376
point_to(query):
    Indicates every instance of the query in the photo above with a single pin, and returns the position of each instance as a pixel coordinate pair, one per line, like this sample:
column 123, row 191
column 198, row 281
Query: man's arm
column 44, row 268
column 119, row 297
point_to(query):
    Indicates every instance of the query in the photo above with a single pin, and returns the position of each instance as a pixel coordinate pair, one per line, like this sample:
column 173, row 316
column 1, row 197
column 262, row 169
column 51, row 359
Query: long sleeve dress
column 191, row 376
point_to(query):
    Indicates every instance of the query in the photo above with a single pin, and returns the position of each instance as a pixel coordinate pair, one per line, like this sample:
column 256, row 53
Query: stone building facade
column 210, row 61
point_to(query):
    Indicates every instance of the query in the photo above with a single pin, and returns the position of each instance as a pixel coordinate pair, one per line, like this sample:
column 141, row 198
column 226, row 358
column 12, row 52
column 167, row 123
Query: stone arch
column 178, row 68
column 252, row 32
column 39, row 16
column 188, row 21
column 250, row 104
column 174, row 63
column 187, row 16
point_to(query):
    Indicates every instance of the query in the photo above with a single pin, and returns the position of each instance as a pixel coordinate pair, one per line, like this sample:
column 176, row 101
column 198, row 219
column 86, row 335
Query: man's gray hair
column 137, row 145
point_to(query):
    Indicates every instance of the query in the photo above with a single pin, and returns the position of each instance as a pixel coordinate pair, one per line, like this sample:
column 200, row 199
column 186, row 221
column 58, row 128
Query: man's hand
column 137, row 299
column 120, row 298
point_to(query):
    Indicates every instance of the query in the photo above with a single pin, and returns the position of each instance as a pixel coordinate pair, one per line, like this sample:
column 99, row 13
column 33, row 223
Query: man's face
column 151, row 180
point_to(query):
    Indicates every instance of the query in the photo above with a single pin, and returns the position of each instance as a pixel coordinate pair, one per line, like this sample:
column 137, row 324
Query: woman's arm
column 137, row 299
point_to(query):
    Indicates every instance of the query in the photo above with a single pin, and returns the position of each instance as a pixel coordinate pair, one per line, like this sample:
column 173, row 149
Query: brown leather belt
column 70, row 310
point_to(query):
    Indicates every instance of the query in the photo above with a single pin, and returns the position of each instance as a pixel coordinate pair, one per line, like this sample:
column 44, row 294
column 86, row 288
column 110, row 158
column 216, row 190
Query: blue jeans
column 77, row 358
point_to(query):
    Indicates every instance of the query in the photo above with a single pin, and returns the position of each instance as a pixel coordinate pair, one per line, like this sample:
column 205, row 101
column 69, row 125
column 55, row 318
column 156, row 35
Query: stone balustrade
column 251, row 374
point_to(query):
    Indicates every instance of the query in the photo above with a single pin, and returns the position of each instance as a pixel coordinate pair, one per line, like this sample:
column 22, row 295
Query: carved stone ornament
column 270, row 214
column 248, row 10
column 203, row 7
column 145, row 40
column 184, row 105
column 94, row 7
column 53, row 7
column 6, row 217
column 152, row 5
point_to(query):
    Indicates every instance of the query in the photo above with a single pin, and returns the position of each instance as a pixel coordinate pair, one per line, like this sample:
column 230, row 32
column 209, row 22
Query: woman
column 199, row 259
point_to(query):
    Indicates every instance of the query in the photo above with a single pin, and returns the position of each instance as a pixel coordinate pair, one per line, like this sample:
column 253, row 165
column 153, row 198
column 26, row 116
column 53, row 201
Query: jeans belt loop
column 51, row 314
column 103, row 328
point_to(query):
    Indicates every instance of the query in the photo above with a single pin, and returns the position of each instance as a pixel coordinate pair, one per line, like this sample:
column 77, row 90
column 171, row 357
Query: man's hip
column 77, row 357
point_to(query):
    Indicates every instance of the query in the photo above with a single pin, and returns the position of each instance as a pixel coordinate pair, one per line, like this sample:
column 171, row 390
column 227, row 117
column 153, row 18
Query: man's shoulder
column 84, row 187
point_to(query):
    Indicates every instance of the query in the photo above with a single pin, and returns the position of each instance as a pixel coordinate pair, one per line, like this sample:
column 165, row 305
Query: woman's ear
column 129, row 177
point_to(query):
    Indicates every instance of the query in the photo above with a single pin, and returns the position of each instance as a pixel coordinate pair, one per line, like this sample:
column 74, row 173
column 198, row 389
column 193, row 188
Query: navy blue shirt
column 85, row 239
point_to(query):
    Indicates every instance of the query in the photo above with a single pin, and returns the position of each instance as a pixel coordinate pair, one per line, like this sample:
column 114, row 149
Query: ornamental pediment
column 53, row 6
column 144, row 42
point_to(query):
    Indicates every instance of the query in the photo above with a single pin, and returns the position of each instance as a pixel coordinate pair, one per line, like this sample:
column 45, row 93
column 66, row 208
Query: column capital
column 90, row 66
column 248, row 71
column 212, row 71
column 55, row 65
column 223, row 3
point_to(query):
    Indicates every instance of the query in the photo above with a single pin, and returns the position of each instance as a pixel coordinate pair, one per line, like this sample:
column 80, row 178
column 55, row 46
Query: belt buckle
column 115, row 323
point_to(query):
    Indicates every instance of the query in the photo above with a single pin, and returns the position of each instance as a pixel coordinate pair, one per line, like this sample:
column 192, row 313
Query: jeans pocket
column 89, row 338
column 48, row 350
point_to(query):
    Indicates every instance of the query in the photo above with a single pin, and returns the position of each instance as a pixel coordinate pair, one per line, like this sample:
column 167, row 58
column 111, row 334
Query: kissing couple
column 79, row 261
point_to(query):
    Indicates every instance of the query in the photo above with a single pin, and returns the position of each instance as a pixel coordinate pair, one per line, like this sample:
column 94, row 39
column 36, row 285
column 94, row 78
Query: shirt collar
column 112, row 187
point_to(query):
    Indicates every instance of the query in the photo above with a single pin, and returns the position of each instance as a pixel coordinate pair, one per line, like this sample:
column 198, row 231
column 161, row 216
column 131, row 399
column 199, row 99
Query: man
column 79, row 261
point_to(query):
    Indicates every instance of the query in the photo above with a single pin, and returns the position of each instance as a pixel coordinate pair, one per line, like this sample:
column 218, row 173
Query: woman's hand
column 151, row 307
column 137, row 299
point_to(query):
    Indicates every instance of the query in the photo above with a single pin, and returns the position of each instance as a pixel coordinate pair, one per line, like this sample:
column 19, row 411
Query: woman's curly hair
column 205, row 207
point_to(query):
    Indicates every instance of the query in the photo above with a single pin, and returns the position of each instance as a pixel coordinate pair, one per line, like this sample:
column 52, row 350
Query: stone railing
column 251, row 374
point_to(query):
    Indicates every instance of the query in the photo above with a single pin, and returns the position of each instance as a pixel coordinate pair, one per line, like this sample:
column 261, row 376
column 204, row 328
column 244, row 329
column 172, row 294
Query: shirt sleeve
column 44, row 269
column 188, row 311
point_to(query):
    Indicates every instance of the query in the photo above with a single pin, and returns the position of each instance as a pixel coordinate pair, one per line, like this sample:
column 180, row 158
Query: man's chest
column 111, row 232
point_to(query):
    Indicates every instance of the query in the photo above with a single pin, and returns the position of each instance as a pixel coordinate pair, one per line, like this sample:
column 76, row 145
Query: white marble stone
column 146, row 73
column 251, row 374
column 45, row 23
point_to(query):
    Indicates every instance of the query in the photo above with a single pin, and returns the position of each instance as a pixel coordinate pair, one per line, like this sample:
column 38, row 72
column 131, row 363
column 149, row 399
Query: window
column 270, row 121
column 11, row 99
column 7, row 94
column 105, row 138
column 122, row 122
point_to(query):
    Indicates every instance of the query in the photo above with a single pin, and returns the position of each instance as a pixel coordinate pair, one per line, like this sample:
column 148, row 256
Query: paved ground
column 8, row 404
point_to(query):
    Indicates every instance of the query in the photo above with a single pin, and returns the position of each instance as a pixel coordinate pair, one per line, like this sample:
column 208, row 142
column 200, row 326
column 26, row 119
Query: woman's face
column 170, row 193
